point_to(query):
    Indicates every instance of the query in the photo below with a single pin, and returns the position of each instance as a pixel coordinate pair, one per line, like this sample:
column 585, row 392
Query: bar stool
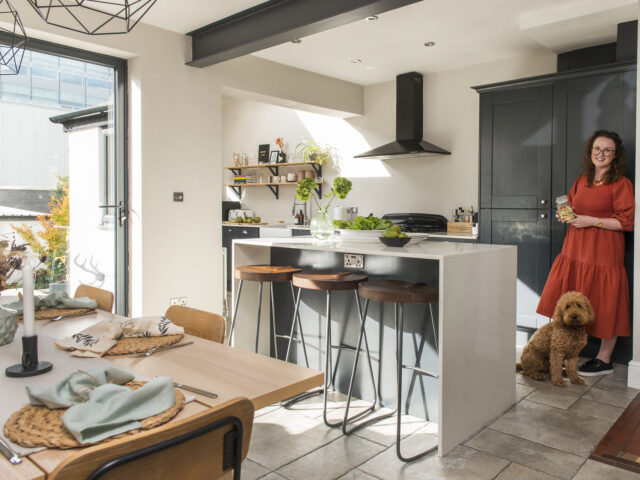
column 330, row 282
column 262, row 273
column 399, row 293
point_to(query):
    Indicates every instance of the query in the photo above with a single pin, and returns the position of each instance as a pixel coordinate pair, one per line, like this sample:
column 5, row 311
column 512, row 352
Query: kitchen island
column 475, row 323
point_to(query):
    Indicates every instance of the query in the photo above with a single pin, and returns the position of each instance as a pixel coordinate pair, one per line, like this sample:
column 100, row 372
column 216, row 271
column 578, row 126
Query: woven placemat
column 49, row 313
column 142, row 344
column 39, row 426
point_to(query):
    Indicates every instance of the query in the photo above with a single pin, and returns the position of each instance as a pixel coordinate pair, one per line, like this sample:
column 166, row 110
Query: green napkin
column 76, row 387
column 114, row 409
column 54, row 300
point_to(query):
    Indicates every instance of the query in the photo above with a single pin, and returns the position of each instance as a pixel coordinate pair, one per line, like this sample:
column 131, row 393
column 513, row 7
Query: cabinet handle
column 543, row 215
column 543, row 202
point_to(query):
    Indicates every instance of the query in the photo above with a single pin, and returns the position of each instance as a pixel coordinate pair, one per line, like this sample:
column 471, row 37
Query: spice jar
column 565, row 211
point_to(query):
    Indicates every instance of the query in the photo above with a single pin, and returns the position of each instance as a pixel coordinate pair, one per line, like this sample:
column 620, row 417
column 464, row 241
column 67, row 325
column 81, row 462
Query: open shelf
column 274, row 187
column 273, row 168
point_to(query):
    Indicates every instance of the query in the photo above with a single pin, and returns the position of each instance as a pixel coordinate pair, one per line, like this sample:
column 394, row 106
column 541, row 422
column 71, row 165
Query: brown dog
column 559, row 340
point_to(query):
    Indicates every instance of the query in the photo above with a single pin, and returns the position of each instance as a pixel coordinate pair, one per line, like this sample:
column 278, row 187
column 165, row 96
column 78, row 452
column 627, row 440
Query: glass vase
column 321, row 226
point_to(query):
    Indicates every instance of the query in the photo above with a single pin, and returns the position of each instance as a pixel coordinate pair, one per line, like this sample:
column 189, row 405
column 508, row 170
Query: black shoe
column 595, row 367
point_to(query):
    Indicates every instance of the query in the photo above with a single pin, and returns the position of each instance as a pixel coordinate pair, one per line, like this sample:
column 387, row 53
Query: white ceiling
column 466, row 32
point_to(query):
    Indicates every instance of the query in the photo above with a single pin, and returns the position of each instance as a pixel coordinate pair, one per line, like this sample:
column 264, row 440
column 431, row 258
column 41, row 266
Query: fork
column 9, row 453
column 153, row 350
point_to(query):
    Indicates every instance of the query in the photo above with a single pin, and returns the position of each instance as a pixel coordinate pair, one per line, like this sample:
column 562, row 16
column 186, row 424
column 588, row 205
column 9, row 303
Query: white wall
column 434, row 184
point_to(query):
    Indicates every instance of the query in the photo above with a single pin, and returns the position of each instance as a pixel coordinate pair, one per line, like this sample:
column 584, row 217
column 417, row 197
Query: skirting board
column 633, row 375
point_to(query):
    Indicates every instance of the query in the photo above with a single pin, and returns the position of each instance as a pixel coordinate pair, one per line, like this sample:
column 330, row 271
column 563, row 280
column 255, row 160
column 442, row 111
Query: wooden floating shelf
column 264, row 184
column 267, row 165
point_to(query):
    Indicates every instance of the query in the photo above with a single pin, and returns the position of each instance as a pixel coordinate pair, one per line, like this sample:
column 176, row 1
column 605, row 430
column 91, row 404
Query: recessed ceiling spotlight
column 429, row 44
column 372, row 18
column 356, row 60
column 296, row 41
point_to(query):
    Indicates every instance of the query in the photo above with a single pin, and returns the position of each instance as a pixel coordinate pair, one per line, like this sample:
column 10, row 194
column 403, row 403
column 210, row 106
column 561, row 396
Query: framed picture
column 263, row 153
column 274, row 156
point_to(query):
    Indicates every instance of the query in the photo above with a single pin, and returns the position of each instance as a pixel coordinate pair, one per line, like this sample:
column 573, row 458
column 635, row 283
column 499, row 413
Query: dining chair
column 199, row 323
column 205, row 445
column 103, row 297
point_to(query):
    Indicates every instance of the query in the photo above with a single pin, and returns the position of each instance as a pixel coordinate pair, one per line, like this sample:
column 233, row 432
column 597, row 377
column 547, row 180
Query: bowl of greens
column 393, row 237
column 362, row 227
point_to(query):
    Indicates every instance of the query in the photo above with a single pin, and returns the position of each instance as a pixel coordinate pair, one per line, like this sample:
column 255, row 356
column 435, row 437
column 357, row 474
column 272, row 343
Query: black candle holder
column 30, row 365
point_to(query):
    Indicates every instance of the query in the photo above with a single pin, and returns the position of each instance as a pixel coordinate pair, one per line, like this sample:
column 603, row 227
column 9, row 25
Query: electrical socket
column 178, row 301
column 352, row 260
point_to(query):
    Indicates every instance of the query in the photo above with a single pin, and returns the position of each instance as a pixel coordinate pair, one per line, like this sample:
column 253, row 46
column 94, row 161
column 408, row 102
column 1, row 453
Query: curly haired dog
column 559, row 340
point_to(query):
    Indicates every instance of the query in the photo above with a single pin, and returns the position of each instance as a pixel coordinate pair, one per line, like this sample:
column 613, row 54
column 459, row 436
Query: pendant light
column 93, row 17
column 12, row 49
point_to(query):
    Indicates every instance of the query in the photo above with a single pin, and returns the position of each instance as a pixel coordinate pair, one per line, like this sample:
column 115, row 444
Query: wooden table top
column 229, row 372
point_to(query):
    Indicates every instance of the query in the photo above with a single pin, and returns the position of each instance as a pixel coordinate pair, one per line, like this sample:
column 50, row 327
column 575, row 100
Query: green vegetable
column 364, row 223
column 305, row 187
column 341, row 187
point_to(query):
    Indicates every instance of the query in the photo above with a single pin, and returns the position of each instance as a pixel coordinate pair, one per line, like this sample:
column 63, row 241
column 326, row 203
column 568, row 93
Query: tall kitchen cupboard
column 532, row 136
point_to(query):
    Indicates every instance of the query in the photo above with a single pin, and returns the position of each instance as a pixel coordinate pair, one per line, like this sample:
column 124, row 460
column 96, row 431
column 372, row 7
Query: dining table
column 228, row 372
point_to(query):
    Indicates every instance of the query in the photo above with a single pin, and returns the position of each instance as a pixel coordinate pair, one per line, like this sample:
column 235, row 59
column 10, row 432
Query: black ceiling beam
column 278, row 21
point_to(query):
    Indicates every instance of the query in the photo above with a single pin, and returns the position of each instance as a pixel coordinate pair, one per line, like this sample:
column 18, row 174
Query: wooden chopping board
column 244, row 224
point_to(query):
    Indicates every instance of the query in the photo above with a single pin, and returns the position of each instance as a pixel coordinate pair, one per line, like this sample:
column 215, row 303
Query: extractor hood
column 409, row 142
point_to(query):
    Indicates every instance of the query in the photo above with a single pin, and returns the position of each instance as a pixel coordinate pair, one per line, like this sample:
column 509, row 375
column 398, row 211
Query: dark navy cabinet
column 230, row 233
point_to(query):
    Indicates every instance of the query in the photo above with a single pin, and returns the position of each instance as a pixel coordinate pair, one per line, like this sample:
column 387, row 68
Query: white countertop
column 423, row 250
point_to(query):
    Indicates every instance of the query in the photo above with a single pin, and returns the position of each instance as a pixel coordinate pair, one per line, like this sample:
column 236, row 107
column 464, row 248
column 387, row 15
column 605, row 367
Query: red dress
column 592, row 258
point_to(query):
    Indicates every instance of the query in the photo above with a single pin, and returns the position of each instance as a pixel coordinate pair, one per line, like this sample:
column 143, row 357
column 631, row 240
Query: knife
column 195, row 390
column 148, row 353
column 9, row 453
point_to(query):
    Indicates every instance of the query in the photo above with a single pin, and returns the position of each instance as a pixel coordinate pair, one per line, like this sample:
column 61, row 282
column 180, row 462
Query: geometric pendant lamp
column 11, row 49
column 93, row 17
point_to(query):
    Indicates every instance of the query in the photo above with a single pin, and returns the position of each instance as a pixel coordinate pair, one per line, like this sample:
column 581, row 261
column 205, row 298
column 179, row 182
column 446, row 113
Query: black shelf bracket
column 273, row 169
column 319, row 191
column 317, row 168
column 275, row 189
column 237, row 190
column 236, row 171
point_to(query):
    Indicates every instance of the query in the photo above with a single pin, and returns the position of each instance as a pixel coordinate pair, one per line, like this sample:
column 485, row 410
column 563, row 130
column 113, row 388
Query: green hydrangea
column 342, row 187
column 305, row 187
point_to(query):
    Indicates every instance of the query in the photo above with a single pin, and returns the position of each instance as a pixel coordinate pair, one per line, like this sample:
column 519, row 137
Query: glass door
column 63, row 168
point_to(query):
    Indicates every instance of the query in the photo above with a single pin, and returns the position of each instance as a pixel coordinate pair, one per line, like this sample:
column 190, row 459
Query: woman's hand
column 583, row 221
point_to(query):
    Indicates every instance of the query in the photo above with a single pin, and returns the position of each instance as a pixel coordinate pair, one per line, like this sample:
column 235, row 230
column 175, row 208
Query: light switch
column 178, row 196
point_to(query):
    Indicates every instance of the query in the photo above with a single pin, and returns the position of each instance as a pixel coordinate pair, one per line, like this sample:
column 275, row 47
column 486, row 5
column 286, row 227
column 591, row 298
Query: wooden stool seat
column 398, row 291
column 328, row 281
column 265, row 273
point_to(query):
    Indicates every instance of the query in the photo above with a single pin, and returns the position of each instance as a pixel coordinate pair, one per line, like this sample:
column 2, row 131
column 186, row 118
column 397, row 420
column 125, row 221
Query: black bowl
column 394, row 241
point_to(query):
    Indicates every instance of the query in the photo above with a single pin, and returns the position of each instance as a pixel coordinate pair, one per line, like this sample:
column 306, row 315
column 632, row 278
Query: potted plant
column 310, row 151
column 322, row 224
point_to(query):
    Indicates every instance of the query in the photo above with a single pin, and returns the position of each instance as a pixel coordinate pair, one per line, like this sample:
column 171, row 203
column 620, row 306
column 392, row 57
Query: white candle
column 27, row 302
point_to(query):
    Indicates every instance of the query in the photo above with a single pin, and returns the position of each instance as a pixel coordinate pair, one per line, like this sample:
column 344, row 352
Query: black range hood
column 409, row 142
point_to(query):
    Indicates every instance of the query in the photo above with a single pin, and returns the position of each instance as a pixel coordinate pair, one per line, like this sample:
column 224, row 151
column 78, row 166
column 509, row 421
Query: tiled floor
column 547, row 434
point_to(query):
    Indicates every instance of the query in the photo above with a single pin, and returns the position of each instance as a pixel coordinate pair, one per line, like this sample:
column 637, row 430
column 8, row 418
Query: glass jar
column 321, row 226
column 564, row 210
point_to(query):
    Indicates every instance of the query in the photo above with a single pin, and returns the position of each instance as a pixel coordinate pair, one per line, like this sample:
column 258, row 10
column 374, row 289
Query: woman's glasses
column 605, row 151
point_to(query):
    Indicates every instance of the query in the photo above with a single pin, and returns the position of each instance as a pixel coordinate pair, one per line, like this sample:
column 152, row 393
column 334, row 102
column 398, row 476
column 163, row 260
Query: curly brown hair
column 617, row 167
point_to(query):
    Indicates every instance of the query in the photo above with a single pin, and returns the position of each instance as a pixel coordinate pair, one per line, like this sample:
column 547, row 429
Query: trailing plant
column 310, row 151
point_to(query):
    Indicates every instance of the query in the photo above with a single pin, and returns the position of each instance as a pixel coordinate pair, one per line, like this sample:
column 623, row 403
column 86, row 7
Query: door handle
column 543, row 215
column 122, row 211
column 543, row 202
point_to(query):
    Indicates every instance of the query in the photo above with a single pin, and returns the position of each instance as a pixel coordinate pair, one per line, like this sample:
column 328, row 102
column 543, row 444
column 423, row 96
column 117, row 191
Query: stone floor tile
column 569, row 388
column 561, row 429
column 312, row 406
column 614, row 384
column 282, row 436
column 593, row 470
column 265, row 410
column 332, row 460
column 552, row 398
column 616, row 399
column 529, row 454
column 620, row 371
column 271, row 476
column 524, row 380
column 596, row 409
column 461, row 463
column 252, row 471
column 358, row 475
column 523, row 390
column 516, row 471
column 384, row 431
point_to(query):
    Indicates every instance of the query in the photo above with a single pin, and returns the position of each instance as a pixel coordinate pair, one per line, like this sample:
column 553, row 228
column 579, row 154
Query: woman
column 592, row 257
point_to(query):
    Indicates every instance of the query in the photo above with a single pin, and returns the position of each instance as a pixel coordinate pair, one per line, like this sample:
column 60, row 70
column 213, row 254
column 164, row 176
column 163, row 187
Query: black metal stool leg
column 293, row 327
column 363, row 318
column 419, row 351
column 400, row 366
column 273, row 322
column 297, row 318
column 258, row 321
column 235, row 313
